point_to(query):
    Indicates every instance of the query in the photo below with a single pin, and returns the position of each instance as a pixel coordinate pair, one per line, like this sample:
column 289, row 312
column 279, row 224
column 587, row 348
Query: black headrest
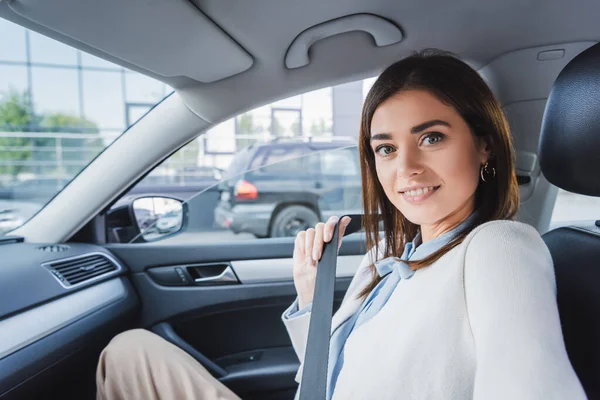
column 569, row 148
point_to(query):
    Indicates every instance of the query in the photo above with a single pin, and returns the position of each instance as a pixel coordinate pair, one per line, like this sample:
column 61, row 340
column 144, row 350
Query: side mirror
column 158, row 217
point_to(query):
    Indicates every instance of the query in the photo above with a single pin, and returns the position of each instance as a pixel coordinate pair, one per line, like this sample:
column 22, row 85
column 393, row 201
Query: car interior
column 66, row 288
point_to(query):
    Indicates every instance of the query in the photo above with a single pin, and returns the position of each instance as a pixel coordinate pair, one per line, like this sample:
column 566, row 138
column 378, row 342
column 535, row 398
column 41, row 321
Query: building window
column 55, row 90
column 12, row 50
column 13, row 78
column 103, row 99
column 49, row 51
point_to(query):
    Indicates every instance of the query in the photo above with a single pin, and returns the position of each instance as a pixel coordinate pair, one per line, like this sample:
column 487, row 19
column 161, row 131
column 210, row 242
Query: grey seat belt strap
column 314, row 374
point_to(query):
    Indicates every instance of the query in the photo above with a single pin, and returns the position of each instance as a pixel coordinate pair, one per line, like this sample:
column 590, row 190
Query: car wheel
column 291, row 220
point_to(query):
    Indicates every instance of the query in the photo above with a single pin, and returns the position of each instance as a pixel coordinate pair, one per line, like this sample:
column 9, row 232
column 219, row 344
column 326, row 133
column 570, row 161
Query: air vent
column 55, row 248
column 75, row 271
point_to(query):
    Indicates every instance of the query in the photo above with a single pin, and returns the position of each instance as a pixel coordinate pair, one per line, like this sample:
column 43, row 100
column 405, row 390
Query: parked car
column 289, row 185
column 170, row 222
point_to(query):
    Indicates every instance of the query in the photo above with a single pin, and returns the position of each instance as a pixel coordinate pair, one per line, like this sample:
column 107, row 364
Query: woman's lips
column 420, row 195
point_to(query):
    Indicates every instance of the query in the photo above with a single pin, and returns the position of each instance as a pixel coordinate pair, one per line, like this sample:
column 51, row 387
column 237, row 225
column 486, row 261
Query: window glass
column 49, row 51
column 56, row 114
column 252, row 181
column 88, row 60
column 103, row 99
column 142, row 89
column 284, row 161
column 342, row 162
column 14, row 49
column 55, row 90
column 573, row 207
column 13, row 78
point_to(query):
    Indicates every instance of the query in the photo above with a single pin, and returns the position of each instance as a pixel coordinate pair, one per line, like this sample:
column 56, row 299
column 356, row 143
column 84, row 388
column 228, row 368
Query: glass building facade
column 61, row 79
column 68, row 92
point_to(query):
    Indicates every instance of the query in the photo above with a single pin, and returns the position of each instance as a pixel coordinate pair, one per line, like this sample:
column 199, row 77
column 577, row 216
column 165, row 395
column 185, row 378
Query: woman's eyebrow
column 426, row 125
column 415, row 129
column 381, row 136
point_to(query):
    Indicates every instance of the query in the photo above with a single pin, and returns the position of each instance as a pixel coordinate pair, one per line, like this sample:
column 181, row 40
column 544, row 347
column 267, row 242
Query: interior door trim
column 281, row 269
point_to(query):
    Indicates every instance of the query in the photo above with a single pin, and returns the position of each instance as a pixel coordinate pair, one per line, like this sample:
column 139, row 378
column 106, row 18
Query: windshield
column 59, row 109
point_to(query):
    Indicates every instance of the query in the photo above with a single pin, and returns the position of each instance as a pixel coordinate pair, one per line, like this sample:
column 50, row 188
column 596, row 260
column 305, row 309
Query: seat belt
column 314, row 373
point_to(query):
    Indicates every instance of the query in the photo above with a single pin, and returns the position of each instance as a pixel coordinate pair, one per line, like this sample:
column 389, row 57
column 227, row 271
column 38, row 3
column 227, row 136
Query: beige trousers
column 138, row 364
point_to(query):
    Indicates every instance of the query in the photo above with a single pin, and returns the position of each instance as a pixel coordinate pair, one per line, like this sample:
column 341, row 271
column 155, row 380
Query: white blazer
column 480, row 323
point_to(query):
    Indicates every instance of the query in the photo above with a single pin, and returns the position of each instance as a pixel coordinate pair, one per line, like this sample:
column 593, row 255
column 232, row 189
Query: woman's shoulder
column 504, row 229
column 507, row 235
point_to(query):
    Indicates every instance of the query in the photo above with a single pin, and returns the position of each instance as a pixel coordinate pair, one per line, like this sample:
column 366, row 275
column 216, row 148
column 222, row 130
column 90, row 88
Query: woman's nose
column 408, row 164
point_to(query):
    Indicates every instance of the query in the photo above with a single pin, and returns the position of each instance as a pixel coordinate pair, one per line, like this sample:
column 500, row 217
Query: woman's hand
column 308, row 250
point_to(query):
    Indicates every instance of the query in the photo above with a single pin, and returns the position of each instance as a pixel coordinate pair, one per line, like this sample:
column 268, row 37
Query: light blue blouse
column 392, row 269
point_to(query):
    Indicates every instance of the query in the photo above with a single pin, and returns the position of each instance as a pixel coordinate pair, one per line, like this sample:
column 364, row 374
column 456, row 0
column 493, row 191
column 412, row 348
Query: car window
column 283, row 160
column 573, row 208
column 59, row 108
column 240, row 162
column 339, row 163
column 272, row 185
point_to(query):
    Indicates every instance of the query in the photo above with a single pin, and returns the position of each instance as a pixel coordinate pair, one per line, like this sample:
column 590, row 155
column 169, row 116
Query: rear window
column 281, row 160
column 239, row 163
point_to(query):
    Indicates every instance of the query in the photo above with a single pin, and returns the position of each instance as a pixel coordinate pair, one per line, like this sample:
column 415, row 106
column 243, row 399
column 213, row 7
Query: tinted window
column 283, row 160
column 341, row 162
column 239, row 163
column 273, row 183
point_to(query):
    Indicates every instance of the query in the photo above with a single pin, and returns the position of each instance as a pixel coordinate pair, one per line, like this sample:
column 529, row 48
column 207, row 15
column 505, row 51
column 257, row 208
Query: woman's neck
column 429, row 232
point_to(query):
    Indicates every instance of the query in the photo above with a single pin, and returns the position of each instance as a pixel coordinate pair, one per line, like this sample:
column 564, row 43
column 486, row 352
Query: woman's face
column 428, row 161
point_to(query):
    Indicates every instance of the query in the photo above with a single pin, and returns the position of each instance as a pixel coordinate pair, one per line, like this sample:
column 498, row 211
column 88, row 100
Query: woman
column 457, row 300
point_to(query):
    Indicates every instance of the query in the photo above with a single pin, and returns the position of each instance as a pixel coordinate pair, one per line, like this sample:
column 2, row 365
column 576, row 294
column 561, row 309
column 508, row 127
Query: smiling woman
column 435, row 146
column 458, row 301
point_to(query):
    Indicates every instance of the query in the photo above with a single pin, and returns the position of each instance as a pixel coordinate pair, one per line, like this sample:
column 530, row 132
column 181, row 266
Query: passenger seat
column 569, row 154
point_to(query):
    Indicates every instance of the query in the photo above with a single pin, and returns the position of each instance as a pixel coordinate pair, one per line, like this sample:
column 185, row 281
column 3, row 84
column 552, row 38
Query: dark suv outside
column 289, row 185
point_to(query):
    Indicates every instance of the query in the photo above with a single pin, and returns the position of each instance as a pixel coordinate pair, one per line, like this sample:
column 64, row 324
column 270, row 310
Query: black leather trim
column 569, row 147
column 576, row 255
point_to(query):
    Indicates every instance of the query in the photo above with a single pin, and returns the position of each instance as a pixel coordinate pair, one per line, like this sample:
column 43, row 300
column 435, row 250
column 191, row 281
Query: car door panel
column 233, row 329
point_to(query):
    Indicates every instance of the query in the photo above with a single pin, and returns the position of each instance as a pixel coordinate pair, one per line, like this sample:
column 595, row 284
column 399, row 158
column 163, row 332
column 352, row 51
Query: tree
column 15, row 116
column 79, row 152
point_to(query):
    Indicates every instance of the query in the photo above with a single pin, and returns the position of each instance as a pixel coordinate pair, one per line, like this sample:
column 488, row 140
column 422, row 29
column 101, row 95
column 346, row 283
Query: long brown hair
column 454, row 83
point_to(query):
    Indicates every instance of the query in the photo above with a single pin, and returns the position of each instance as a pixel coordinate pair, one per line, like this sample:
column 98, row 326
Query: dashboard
column 57, row 301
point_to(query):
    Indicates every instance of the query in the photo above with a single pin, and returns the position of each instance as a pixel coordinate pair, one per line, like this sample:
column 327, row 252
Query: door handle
column 227, row 276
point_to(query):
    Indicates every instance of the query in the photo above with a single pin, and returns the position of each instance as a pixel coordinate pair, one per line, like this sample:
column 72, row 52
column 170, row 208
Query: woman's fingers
column 299, row 245
column 308, row 246
column 318, row 241
column 329, row 227
column 343, row 225
column 309, row 243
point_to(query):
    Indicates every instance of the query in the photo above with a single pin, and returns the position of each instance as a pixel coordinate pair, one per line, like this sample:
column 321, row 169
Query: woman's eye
column 432, row 138
column 384, row 150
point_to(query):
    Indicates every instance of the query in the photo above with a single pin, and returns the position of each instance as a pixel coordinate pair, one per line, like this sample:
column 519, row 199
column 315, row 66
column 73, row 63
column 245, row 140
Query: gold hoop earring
column 485, row 170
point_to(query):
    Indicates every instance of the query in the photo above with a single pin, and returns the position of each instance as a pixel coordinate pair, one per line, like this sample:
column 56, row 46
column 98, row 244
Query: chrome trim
column 224, row 277
column 281, row 269
column 22, row 329
column 48, row 264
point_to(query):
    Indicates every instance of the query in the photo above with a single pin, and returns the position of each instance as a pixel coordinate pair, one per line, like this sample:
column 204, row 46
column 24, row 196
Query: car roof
column 210, row 49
